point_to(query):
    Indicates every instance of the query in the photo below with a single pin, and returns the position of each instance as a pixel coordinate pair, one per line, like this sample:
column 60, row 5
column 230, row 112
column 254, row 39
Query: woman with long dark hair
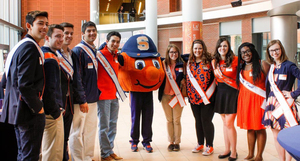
column 225, row 69
column 251, row 76
column 173, row 66
column 279, row 84
column 200, row 88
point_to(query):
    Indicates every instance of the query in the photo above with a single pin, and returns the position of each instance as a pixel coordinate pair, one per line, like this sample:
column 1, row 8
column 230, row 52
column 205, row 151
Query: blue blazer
column 24, row 85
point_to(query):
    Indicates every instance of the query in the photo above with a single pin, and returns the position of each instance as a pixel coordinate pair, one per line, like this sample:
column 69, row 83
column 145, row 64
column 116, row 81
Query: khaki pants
column 83, row 133
column 173, row 116
column 53, row 139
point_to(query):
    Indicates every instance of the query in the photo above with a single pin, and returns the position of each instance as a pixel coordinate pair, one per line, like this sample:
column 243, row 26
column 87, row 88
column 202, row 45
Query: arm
column 27, row 65
column 79, row 93
column 265, row 67
column 295, row 72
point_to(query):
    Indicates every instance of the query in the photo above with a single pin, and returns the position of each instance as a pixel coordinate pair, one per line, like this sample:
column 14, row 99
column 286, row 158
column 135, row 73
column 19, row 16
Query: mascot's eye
column 156, row 63
column 139, row 64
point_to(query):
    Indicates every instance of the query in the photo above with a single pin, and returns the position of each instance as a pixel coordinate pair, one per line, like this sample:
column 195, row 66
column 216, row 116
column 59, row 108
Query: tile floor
column 188, row 139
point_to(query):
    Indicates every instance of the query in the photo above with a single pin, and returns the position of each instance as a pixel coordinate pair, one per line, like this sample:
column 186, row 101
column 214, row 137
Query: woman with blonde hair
column 170, row 89
column 280, row 80
column 201, row 88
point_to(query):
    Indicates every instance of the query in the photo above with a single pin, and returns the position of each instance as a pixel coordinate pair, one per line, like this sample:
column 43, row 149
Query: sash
column 204, row 95
column 65, row 64
column 285, row 105
column 89, row 52
column 49, row 55
column 110, row 71
column 218, row 73
column 12, row 52
column 178, row 96
column 254, row 89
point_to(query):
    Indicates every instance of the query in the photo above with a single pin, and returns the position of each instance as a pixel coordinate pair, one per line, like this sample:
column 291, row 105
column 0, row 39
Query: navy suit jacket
column 24, row 85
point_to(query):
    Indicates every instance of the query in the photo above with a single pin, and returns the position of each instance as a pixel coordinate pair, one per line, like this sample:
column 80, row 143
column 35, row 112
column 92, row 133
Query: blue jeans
column 29, row 138
column 121, row 18
column 108, row 111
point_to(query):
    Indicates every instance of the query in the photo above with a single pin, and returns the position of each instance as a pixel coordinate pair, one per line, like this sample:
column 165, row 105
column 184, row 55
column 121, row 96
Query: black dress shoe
column 233, row 159
column 224, row 156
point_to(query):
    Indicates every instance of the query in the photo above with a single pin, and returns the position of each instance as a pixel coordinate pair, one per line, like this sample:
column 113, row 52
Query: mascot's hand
column 84, row 108
column 121, row 60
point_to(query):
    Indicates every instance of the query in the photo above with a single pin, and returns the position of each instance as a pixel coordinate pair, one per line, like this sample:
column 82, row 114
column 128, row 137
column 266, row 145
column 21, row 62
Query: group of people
column 132, row 14
column 244, row 86
column 53, row 93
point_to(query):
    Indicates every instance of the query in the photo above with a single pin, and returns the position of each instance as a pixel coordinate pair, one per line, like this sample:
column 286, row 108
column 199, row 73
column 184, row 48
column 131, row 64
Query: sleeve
column 51, row 80
column 295, row 72
column 80, row 62
column 3, row 81
column 79, row 93
column 27, row 64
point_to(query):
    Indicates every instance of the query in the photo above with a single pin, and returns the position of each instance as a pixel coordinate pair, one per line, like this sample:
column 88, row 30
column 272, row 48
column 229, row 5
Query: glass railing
column 110, row 18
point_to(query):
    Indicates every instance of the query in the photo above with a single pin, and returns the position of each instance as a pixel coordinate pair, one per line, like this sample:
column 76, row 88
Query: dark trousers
column 141, row 103
column 68, row 118
column 203, row 122
column 29, row 138
column 8, row 142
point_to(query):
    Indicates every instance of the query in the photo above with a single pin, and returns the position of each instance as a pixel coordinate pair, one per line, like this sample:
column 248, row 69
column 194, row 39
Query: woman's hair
column 256, row 63
column 206, row 56
column 168, row 60
column 229, row 54
column 283, row 56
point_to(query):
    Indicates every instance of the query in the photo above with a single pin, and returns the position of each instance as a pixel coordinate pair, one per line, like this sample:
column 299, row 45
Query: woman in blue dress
column 281, row 77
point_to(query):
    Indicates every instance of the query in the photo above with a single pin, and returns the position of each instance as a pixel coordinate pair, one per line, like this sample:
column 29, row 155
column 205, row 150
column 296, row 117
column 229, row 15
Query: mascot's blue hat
column 140, row 46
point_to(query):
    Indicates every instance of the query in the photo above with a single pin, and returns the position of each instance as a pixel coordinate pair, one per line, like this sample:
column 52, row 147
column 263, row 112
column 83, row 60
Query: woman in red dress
column 251, row 76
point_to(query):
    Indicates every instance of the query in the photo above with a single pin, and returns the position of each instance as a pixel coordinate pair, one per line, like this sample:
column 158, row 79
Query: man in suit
column 23, row 106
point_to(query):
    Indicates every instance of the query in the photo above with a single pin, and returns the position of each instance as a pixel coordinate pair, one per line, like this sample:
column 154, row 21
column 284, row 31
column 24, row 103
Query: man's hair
column 31, row 16
column 88, row 24
column 52, row 27
column 67, row 24
column 113, row 33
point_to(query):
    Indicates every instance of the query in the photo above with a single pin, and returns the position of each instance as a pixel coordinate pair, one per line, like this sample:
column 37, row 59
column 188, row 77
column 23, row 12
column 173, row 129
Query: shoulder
column 265, row 66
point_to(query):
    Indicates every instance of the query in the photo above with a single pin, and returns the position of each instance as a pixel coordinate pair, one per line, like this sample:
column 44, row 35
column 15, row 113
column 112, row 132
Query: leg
column 68, row 117
column 261, row 137
column 113, row 123
column 280, row 150
column 147, row 117
column 226, row 139
column 135, row 116
column 169, row 116
column 177, row 111
column 207, row 114
column 198, row 123
column 104, row 118
column 30, row 138
column 76, row 134
column 53, row 139
column 89, row 131
column 231, row 133
column 251, row 137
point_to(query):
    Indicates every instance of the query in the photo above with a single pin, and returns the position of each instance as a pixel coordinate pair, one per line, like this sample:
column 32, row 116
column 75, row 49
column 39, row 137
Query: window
column 232, row 31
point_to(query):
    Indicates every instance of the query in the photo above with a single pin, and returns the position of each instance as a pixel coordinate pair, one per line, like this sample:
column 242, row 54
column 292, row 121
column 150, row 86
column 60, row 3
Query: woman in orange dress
column 251, row 76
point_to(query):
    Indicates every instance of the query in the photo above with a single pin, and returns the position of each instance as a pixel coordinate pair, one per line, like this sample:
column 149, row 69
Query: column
column 94, row 11
column 151, row 20
column 191, row 23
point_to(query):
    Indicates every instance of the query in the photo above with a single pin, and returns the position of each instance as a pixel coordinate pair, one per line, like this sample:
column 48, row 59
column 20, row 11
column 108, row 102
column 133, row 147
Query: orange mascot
column 140, row 73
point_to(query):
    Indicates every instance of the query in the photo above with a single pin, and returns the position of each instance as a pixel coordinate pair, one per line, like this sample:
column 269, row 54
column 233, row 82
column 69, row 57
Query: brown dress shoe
column 109, row 158
column 115, row 156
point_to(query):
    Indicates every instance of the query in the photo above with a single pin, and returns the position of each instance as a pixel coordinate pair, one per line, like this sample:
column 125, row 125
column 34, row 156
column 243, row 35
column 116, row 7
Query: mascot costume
column 140, row 73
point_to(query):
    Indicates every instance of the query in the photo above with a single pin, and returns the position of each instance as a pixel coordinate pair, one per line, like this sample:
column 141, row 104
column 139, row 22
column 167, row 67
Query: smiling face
column 56, row 40
column 39, row 28
column 113, row 43
column 275, row 52
column 198, row 51
column 223, row 49
column 90, row 34
column 68, row 35
column 173, row 54
column 246, row 54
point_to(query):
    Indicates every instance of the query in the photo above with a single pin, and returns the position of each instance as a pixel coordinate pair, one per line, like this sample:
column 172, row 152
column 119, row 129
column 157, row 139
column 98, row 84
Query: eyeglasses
column 173, row 52
column 244, row 52
column 275, row 50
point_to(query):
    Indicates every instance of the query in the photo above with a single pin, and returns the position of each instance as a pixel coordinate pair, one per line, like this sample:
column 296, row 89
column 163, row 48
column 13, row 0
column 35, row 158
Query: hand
column 287, row 94
column 84, row 108
column 41, row 111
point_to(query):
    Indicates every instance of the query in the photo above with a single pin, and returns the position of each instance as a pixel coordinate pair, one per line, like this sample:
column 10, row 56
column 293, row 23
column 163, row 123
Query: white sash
column 178, row 96
column 90, row 53
column 204, row 95
column 65, row 64
column 110, row 71
column 254, row 89
column 12, row 52
column 285, row 105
